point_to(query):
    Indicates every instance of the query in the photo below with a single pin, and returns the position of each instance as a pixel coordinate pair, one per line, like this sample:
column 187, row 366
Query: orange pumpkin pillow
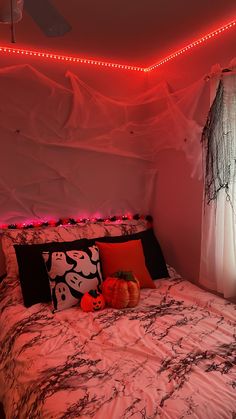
column 127, row 256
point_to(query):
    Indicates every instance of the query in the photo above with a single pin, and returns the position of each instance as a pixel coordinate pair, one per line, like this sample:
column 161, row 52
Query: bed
column 171, row 356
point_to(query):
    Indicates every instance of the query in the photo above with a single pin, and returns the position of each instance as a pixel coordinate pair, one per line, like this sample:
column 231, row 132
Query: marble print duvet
column 173, row 356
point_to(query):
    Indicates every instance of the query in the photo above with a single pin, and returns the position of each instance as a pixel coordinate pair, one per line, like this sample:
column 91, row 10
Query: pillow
column 127, row 256
column 154, row 259
column 32, row 270
column 71, row 274
column 64, row 233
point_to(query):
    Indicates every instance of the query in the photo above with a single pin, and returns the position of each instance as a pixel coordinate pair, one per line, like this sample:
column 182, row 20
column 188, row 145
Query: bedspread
column 172, row 356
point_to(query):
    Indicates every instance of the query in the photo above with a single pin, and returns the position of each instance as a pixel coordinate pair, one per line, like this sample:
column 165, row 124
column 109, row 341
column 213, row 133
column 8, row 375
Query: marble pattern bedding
column 173, row 356
column 63, row 233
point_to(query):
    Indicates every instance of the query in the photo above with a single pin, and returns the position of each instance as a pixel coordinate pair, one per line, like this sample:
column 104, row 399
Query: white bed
column 171, row 356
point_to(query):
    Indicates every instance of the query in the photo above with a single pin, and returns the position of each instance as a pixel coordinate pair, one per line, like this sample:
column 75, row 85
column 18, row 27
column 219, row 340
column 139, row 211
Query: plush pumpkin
column 121, row 290
column 92, row 301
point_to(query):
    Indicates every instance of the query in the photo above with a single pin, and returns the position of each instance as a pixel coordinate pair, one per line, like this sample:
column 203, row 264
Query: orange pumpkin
column 121, row 290
column 92, row 301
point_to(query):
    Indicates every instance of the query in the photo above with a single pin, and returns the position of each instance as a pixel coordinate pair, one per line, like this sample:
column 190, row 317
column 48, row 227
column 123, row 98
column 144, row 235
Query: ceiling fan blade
column 47, row 17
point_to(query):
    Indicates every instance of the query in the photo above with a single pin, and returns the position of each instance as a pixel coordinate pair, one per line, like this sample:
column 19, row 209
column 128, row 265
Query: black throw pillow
column 32, row 270
column 154, row 258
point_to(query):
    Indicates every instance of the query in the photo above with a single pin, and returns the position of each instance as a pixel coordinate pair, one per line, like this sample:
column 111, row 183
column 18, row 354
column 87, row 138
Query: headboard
column 63, row 229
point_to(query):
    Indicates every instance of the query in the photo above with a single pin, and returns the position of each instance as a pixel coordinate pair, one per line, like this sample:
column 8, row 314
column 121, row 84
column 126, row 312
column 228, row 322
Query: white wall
column 166, row 189
column 177, row 206
column 40, row 177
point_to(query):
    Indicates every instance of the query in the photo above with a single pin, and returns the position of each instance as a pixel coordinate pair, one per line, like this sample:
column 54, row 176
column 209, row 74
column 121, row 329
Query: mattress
column 172, row 356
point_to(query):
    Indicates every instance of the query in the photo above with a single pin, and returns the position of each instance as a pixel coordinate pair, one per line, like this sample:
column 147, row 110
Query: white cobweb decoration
column 63, row 141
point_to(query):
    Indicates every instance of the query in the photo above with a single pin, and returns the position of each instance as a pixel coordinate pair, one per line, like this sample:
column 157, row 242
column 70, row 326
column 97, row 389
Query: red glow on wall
column 106, row 64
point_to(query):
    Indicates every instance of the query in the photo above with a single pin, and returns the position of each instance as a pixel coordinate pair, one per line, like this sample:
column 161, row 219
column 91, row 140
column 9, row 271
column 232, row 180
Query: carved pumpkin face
column 92, row 301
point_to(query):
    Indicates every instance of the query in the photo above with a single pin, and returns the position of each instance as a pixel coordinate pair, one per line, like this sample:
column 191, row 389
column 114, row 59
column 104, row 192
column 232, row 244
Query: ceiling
column 138, row 32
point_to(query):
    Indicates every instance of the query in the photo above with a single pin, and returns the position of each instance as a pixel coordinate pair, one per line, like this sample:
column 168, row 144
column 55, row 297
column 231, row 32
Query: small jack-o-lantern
column 92, row 301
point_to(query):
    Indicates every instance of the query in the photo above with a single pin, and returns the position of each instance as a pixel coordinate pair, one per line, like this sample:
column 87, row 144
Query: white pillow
column 63, row 233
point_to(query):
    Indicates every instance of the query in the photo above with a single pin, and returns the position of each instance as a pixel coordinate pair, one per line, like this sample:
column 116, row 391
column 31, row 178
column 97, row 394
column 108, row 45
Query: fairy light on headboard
column 73, row 221
column 56, row 57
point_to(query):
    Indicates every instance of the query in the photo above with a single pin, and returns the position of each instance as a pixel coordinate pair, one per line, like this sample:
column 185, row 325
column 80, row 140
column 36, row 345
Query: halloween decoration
column 73, row 221
column 121, row 290
column 92, row 301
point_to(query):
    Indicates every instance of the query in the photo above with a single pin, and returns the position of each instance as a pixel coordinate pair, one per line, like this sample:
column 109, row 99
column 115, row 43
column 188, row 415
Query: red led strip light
column 59, row 57
column 192, row 45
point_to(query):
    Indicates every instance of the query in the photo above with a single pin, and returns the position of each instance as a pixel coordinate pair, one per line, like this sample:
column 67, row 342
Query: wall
column 177, row 205
column 50, row 180
column 177, row 213
column 116, row 83
column 166, row 188
column 39, row 180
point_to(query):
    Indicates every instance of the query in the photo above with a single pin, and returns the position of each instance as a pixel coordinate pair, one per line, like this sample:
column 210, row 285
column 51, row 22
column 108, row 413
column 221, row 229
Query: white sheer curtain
column 218, row 250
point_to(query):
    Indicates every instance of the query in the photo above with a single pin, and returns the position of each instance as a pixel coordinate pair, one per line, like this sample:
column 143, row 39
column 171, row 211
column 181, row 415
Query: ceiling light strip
column 58, row 57
column 193, row 44
column 105, row 64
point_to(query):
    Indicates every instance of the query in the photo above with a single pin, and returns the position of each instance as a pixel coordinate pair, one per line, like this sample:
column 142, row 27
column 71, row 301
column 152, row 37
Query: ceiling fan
column 44, row 13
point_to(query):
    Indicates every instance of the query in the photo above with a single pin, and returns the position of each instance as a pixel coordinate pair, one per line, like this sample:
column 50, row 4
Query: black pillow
column 32, row 270
column 155, row 261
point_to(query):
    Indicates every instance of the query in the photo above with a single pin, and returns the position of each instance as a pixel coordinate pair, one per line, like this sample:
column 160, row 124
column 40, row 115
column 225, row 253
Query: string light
column 59, row 57
column 193, row 44
column 94, row 62
column 74, row 221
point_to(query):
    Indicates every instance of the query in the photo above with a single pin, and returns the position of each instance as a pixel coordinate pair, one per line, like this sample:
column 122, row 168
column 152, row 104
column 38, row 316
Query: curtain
column 218, row 249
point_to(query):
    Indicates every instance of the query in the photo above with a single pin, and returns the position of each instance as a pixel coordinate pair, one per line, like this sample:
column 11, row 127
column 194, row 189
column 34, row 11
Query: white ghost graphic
column 64, row 299
column 95, row 253
column 83, row 263
column 79, row 283
column 59, row 265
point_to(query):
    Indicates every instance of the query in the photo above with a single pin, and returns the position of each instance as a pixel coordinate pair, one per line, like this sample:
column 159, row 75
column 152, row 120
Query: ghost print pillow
column 71, row 274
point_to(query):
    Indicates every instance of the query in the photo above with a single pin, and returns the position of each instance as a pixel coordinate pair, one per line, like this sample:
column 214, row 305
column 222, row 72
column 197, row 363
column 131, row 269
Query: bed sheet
column 173, row 356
